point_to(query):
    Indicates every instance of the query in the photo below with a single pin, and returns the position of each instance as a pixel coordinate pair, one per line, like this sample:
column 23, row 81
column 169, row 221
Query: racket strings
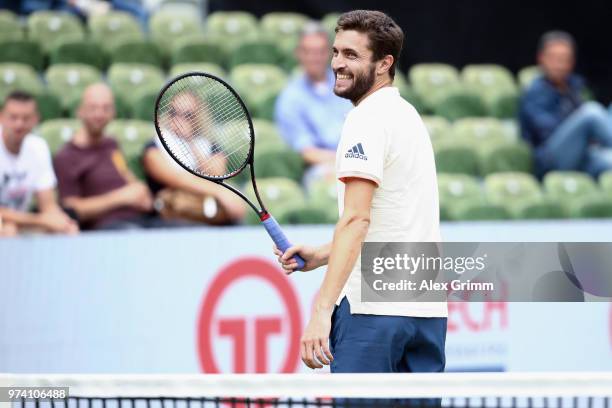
column 204, row 126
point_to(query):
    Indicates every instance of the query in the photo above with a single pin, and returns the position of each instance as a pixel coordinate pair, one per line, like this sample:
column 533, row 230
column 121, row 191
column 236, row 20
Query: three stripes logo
column 356, row 152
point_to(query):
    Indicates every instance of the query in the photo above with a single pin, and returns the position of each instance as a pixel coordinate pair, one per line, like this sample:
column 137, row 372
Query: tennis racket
column 206, row 128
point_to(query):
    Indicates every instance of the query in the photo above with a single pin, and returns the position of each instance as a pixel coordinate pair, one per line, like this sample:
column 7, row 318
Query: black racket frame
column 218, row 180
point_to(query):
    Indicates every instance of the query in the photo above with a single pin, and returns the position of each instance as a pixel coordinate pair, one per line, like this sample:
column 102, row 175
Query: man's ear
column 384, row 64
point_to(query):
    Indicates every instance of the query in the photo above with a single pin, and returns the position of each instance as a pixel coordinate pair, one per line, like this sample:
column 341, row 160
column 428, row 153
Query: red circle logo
column 288, row 324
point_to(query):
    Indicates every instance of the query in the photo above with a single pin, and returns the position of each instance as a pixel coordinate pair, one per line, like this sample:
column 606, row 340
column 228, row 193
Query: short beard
column 363, row 83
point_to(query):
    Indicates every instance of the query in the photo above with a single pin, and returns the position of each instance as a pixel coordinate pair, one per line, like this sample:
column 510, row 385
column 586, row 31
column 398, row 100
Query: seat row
column 502, row 196
column 230, row 39
column 135, row 86
column 224, row 37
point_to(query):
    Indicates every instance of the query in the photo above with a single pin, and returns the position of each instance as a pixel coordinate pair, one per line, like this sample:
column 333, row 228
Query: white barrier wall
column 213, row 300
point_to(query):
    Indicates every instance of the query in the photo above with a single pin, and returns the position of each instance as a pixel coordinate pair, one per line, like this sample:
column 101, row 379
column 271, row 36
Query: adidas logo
column 356, row 152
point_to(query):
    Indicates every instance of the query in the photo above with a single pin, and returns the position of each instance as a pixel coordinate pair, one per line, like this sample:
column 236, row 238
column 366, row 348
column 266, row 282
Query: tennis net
column 318, row 390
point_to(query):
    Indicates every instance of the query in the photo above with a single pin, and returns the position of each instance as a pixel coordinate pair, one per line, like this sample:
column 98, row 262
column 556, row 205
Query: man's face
column 96, row 111
column 557, row 61
column 313, row 55
column 352, row 64
column 185, row 115
column 18, row 119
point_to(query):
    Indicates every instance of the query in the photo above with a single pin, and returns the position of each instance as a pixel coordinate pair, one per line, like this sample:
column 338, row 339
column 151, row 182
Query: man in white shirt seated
column 26, row 173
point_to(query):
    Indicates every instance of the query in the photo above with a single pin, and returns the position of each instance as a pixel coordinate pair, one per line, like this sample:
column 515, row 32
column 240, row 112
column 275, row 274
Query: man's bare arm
column 49, row 218
column 349, row 234
column 134, row 194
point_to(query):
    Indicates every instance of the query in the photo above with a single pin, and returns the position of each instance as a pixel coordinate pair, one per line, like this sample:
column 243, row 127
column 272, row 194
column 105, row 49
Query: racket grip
column 279, row 238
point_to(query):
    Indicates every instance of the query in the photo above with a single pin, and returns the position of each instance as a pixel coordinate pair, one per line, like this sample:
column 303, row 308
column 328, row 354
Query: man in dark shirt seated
column 566, row 132
column 93, row 177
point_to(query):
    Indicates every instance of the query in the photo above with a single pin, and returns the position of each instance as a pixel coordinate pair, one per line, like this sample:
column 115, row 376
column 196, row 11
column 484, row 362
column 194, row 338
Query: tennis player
column 387, row 191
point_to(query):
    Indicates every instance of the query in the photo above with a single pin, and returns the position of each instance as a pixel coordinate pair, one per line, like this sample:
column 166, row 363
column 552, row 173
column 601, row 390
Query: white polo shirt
column 385, row 140
column 26, row 173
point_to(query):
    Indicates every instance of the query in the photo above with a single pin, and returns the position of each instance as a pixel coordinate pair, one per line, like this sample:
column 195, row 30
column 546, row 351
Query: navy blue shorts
column 362, row 343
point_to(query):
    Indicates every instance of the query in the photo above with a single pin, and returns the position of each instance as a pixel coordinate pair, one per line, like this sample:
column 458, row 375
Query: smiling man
column 387, row 191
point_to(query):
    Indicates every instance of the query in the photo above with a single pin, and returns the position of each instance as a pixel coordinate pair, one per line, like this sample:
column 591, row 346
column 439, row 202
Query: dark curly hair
column 385, row 36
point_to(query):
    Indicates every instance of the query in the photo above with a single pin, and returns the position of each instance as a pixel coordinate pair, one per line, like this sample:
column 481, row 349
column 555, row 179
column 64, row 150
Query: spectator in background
column 86, row 8
column 94, row 179
column 307, row 112
column 26, row 172
column 181, row 195
column 566, row 132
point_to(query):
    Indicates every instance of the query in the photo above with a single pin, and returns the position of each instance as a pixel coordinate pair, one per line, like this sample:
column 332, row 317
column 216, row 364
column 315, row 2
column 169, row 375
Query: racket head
column 204, row 125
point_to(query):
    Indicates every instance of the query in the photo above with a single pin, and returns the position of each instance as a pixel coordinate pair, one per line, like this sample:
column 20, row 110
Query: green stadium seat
column 283, row 29
column 51, row 28
column 282, row 24
column 504, row 105
column 22, row 51
column 432, row 82
column 528, row 74
column 511, row 130
column 167, row 27
column 479, row 130
column 79, row 52
column 267, row 136
column 437, row 127
column 139, row 52
column 323, row 194
column 592, row 207
column 287, row 48
column 132, row 135
column 257, row 83
column 455, row 157
column 495, row 84
column 49, row 106
column 10, row 28
column 144, row 107
column 521, row 194
column 198, row 50
column 114, row 28
column 479, row 210
column 567, row 185
column 131, row 81
column 264, row 109
column 232, row 26
column 407, row 92
column 578, row 194
column 329, row 22
column 14, row 76
column 278, row 162
column 206, row 67
column 488, row 77
column 255, row 52
column 454, row 189
column 495, row 157
column 605, row 182
column 459, row 102
column 278, row 194
column 497, row 144
column 123, row 109
column 68, row 81
column 58, row 131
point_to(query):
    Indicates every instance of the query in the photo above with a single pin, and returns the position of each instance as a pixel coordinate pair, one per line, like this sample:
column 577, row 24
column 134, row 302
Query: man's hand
column 314, row 344
column 313, row 258
column 136, row 195
column 58, row 222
